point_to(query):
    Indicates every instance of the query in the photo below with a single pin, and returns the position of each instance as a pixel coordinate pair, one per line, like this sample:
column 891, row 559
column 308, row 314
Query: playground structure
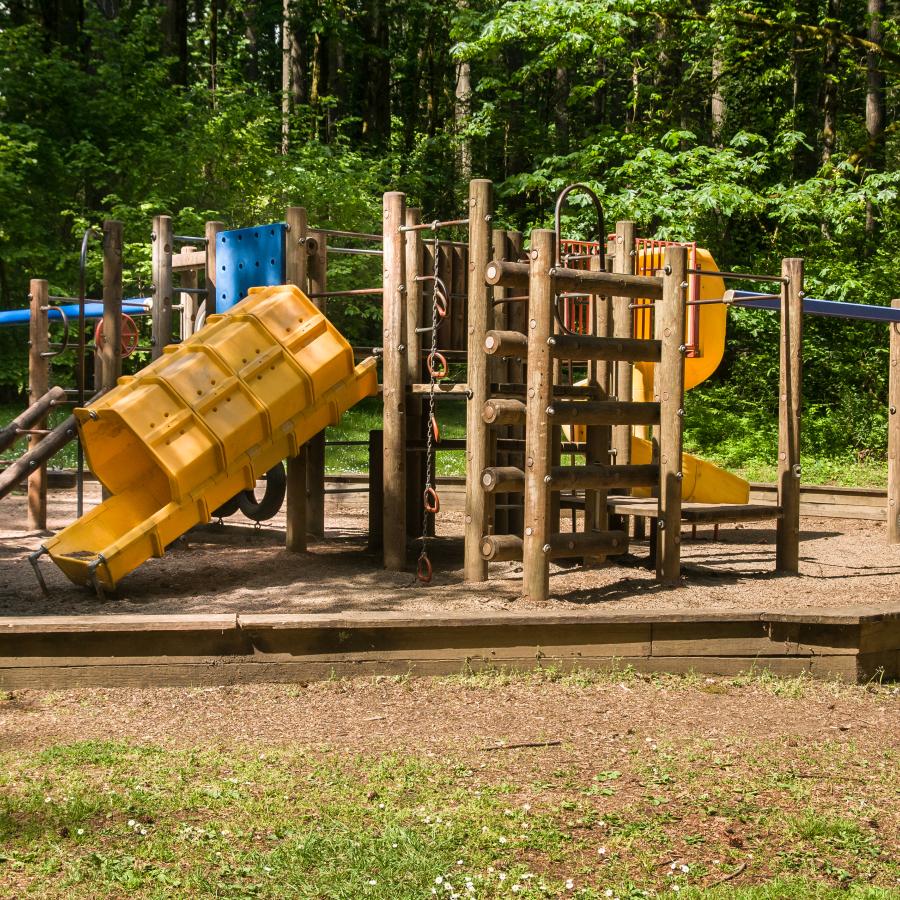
column 631, row 322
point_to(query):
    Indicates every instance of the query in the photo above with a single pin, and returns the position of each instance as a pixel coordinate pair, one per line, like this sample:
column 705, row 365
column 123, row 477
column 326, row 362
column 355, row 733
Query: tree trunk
column 286, row 31
column 875, row 104
column 250, row 13
column 717, row 101
column 561, row 108
column 830, row 88
column 461, row 111
column 213, row 45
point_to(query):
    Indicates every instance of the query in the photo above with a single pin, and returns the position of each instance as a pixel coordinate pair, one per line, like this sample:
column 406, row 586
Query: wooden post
column 376, row 490
column 38, row 385
column 669, row 381
column 538, row 430
column 517, row 320
column 479, row 505
column 211, row 231
column 787, row 539
column 315, row 449
column 416, row 292
column 623, row 264
column 162, row 285
column 893, row 490
column 394, row 382
column 110, row 353
column 295, row 268
column 190, row 301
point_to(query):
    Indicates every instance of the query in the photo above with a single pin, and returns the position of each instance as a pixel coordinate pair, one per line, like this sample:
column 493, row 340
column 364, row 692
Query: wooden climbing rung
column 506, row 343
column 509, row 479
column 592, row 543
column 603, row 412
column 697, row 513
column 584, row 348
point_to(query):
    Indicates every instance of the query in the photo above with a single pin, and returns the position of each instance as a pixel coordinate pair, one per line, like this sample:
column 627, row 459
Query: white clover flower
column 502, row 876
column 685, row 868
column 676, row 888
column 502, row 839
column 516, row 888
column 602, row 852
column 372, row 881
column 459, row 862
column 526, row 807
column 48, row 799
column 131, row 823
column 569, row 884
column 608, row 892
column 439, row 879
column 80, row 831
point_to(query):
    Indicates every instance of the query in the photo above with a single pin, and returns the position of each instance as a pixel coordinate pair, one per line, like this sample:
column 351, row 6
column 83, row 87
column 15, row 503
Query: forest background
column 758, row 129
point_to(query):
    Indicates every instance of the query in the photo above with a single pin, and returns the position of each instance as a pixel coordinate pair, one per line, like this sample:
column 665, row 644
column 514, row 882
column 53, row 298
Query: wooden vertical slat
column 111, row 352
column 394, row 382
column 211, row 231
column 315, row 449
column 517, row 320
column 597, row 437
column 415, row 292
column 538, row 431
column 670, row 318
column 479, row 504
column 893, row 489
column 787, row 539
column 296, row 272
column 38, row 385
column 623, row 264
column 162, row 284
column 500, row 373
column 376, row 491
column 190, row 302
column 458, row 287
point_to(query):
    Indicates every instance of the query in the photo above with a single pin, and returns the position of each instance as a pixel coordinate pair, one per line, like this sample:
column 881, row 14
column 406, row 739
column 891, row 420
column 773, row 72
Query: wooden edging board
column 84, row 651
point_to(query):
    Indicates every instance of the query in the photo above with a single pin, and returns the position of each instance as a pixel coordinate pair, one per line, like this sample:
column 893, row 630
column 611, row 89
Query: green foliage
column 132, row 115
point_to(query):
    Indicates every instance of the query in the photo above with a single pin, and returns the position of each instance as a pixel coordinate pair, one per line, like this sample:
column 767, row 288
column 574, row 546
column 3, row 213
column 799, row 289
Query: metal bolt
column 667, row 269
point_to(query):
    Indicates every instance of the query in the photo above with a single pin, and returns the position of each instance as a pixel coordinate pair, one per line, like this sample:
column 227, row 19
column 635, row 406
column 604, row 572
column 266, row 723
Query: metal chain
column 429, row 437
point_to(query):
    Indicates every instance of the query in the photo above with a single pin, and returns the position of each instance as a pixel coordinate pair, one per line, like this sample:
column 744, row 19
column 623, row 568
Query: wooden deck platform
column 697, row 513
column 113, row 650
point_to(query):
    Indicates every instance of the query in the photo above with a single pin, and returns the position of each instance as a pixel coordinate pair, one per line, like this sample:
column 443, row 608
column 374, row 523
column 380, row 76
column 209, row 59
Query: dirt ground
column 236, row 568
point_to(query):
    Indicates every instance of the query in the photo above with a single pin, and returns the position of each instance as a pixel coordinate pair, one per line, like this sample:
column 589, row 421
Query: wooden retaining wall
column 82, row 651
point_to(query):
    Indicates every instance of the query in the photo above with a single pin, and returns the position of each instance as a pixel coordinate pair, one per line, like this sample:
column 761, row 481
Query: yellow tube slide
column 202, row 423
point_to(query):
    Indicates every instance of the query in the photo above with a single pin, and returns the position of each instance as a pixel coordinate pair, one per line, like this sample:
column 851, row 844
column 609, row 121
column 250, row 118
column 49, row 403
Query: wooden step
column 697, row 513
column 602, row 412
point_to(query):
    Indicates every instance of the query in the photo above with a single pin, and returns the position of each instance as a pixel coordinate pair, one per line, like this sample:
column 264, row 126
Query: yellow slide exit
column 202, row 423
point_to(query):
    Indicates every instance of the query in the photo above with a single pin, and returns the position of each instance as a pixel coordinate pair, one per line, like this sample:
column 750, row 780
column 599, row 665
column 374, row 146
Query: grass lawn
column 153, row 794
column 357, row 422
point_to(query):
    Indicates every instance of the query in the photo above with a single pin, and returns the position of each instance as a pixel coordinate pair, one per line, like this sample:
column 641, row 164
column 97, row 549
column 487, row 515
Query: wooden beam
column 36, row 413
column 162, row 285
column 296, row 272
column 893, row 490
column 376, row 491
column 670, row 319
column 585, row 348
column 189, row 260
column 787, row 540
column 622, row 328
column 479, row 507
column 538, row 430
column 394, row 382
column 517, row 320
column 602, row 412
column 503, row 412
column 211, row 232
column 503, row 478
column 619, row 283
column 595, row 543
column 189, row 300
column 499, row 369
column 573, row 478
column 38, row 385
column 505, row 343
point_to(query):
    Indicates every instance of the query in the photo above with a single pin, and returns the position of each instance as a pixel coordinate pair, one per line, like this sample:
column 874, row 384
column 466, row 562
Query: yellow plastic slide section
column 202, row 423
column 711, row 327
column 702, row 481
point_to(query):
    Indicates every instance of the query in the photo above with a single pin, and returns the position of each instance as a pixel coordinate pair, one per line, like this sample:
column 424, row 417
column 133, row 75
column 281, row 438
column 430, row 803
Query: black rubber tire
column 272, row 499
column 228, row 508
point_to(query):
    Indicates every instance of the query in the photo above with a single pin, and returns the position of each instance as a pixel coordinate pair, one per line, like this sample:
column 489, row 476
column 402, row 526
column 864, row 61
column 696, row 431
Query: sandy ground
column 237, row 568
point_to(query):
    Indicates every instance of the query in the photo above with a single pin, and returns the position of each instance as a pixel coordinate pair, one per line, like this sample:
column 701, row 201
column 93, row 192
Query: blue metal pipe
column 91, row 311
column 865, row 312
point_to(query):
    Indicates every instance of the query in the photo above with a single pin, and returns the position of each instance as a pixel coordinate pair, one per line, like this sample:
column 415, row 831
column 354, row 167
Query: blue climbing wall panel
column 246, row 258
